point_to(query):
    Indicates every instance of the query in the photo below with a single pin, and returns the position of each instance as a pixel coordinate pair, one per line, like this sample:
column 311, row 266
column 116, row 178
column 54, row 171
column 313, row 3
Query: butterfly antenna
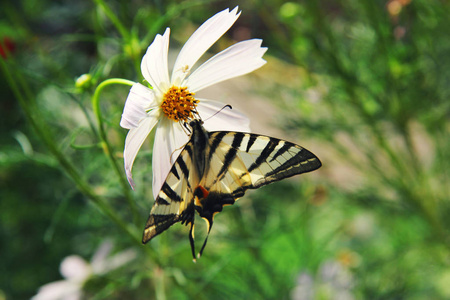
column 226, row 106
column 191, row 240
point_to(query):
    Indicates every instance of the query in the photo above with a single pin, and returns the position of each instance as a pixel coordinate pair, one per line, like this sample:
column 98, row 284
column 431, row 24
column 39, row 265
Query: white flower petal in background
column 59, row 290
column 116, row 261
column 102, row 262
column 77, row 271
column 98, row 261
column 171, row 104
column 304, row 290
column 75, row 268
column 332, row 280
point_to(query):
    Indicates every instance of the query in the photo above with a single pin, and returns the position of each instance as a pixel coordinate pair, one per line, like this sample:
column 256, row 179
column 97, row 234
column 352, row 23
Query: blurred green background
column 365, row 85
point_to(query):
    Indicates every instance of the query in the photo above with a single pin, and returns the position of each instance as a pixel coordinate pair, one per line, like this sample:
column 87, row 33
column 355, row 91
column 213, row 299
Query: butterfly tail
column 209, row 224
column 191, row 240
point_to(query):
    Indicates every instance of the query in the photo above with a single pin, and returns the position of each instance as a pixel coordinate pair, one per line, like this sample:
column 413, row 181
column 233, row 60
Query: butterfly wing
column 175, row 199
column 241, row 161
column 215, row 169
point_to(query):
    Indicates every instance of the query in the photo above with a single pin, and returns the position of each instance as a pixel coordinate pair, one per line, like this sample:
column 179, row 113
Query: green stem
column 113, row 18
column 107, row 149
column 159, row 276
column 42, row 132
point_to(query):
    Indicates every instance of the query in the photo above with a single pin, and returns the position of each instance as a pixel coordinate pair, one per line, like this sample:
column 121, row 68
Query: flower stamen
column 179, row 104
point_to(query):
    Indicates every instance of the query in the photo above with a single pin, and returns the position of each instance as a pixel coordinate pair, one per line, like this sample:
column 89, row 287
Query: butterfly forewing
column 258, row 160
column 175, row 195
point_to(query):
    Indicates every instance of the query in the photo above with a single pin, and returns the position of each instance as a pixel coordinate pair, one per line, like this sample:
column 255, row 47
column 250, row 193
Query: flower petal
column 139, row 101
column 75, row 268
column 237, row 60
column 57, row 290
column 154, row 65
column 226, row 120
column 135, row 139
column 99, row 259
column 119, row 259
column 169, row 141
column 200, row 41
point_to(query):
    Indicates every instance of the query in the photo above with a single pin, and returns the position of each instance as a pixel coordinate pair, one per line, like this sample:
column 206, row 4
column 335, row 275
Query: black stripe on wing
column 251, row 141
column 231, row 154
column 282, row 150
column 181, row 163
column 215, row 142
column 264, row 154
column 170, row 193
column 157, row 224
column 303, row 162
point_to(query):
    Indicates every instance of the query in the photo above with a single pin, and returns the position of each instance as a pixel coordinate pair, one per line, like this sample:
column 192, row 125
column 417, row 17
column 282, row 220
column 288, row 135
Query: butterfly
column 215, row 169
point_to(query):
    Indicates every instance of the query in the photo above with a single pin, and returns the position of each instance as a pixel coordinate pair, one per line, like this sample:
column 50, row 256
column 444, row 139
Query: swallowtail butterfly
column 215, row 169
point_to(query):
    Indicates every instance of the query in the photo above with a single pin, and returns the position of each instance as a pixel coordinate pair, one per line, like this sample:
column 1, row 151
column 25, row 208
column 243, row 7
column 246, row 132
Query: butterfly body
column 215, row 169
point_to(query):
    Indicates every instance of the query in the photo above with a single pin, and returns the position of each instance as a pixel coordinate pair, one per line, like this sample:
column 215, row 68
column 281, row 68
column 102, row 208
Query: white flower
column 77, row 271
column 332, row 281
column 171, row 102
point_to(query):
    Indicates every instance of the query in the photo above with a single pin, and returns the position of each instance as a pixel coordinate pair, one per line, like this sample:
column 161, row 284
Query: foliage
column 370, row 91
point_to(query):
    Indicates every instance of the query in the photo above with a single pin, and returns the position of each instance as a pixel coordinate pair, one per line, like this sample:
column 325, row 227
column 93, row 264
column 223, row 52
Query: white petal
column 75, row 268
column 59, row 290
column 135, row 139
column 169, row 141
column 118, row 260
column 200, row 41
column 154, row 65
column 237, row 60
column 139, row 101
column 99, row 259
column 226, row 120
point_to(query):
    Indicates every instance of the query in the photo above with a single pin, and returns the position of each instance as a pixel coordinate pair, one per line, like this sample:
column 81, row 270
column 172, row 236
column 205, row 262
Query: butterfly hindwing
column 215, row 169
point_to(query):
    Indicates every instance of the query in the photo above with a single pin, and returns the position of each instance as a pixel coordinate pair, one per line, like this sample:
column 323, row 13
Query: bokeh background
column 365, row 85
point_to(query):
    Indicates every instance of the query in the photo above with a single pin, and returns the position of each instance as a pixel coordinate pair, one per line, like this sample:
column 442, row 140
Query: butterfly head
column 195, row 123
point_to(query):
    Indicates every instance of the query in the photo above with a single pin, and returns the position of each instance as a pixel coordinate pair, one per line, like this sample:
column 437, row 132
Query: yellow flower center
column 179, row 104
